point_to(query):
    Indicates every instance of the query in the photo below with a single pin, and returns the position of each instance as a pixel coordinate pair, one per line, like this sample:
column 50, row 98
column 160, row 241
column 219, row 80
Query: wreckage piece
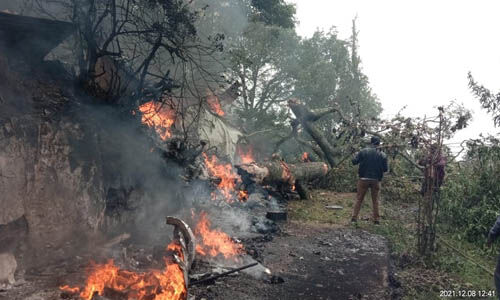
column 185, row 237
column 277, row 215
column 276, row 172
column 212, row 278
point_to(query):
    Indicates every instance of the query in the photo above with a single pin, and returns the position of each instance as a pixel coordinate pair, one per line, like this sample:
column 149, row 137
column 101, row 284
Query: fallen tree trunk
column 276, row 172
column 307, row 118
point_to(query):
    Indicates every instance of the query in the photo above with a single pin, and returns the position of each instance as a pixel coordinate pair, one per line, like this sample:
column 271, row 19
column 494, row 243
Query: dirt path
column 315, row 262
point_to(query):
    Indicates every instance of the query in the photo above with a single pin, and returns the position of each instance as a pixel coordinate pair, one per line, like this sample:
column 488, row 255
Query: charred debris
column 89, row 180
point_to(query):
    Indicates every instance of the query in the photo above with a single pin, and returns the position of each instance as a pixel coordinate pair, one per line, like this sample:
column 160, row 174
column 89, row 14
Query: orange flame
column 243, row 196
column 168, row 284
column 177, row 249
column 214, row 104
column 212, row 242
column 158, row 116
column 228, row 178
column 246, row 158
column 305, row 157
column 71, row 290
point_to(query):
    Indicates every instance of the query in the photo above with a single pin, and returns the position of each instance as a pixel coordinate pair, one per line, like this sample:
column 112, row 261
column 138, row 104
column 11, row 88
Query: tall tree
column 261, row 62
column 328, row 75
column 274, row 13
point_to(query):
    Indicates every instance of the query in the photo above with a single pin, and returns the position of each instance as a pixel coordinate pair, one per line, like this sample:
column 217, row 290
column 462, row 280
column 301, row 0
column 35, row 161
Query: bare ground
column 314, row 262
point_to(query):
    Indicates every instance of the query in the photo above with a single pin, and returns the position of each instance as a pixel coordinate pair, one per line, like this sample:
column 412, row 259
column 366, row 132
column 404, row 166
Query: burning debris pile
column 89, row 171
column 109, row 281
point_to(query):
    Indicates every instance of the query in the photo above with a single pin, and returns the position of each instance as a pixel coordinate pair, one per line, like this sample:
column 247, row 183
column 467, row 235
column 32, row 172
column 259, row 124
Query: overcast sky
column 418, row 53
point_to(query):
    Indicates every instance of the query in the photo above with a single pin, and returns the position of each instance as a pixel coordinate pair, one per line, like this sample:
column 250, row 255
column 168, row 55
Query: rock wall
column 40, row 181
column 45, row 173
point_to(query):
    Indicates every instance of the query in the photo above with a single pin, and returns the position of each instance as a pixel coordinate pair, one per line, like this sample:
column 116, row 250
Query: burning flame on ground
column 214, row 104
column 71, row 290
column 246, row 158
column 213, row 242
column 243, row 195
column 226, row 174
column 158, row 116
column 168, row 284
column 305, row 157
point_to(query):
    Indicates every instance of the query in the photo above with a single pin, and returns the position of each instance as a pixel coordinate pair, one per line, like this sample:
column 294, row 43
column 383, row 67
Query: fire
column 246, row 158
column 214, row 104
column 168, row 284
column 305, row 157
column 177, row 249
column 213, row 242
column 71, row 290
column 228, row 178
column 243, row 196
column 158, row 116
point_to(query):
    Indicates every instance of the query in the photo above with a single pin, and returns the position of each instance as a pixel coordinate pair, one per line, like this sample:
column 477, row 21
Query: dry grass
column 314, row 211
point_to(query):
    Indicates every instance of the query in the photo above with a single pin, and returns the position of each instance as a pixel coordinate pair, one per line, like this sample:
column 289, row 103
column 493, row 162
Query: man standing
column 372, row 165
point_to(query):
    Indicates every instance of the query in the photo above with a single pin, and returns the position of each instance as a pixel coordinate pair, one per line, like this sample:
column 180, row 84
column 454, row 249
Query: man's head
column 375, row 140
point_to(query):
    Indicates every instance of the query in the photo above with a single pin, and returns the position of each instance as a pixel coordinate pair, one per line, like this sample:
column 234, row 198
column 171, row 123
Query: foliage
column 471, row 196
column 274, row 13
column 402, row 183
column 488, row 100
column 327, row 74
column 342, row 178
column 260, row 60
column 327, row 78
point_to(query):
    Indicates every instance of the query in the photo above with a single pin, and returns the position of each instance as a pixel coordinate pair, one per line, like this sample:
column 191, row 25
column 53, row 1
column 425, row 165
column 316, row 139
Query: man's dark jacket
column 372, row 163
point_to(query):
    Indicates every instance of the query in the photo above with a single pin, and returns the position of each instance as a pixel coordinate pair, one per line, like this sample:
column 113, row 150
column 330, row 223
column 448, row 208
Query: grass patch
column 314, row 211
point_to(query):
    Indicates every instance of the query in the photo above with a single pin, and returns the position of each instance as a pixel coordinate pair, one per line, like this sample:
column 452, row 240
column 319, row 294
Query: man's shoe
column 376, row 222
column 354, row 220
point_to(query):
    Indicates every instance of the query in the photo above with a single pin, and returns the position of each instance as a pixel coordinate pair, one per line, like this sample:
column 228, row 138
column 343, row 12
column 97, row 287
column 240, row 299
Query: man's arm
column 494, row 231
column 356, row 158
column 385, row 166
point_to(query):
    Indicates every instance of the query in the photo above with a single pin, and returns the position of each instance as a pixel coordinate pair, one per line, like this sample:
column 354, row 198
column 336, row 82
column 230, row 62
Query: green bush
column 341, row 179
column 470, row 198
column 402, row 182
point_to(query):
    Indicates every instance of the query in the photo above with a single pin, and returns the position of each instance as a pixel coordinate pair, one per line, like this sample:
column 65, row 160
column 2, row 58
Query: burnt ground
column 308, row 261
column 314, row 262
